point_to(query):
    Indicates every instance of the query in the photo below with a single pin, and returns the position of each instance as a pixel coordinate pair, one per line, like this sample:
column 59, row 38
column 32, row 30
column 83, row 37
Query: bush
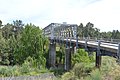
column 83, row 65
column 96, row 75
column 111, row 68
column 29, row 67
column 79, row 71
column 82, row 69
column 9, row 71
column 82, row 56
column 68, row 76
column 58, row 71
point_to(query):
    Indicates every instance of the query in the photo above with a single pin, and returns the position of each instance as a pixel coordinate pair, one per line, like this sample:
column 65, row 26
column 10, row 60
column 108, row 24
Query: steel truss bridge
column 67, row 34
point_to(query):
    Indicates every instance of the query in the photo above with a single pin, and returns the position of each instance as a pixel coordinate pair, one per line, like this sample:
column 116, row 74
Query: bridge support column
column 98, row 61
column 67, row 59
column 98, row 56
column 52, row 55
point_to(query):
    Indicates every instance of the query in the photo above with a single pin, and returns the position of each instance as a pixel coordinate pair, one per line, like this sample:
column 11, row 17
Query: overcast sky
column 104, row 14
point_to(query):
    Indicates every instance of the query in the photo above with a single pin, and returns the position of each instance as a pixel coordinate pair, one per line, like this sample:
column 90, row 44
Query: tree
column 88, row 30
column 4, row 51
column 18, row 23
column 80, row 30
column 115, row 34
column 96, row 33
column 17, row 27
column 0, row 23
column 31, row 44
column 7, row 31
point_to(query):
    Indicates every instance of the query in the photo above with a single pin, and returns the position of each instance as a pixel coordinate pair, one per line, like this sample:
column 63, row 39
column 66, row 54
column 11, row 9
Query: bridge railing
column 107, row 40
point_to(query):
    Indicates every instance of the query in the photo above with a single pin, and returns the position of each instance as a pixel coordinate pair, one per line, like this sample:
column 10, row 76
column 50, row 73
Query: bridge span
column 67, row 34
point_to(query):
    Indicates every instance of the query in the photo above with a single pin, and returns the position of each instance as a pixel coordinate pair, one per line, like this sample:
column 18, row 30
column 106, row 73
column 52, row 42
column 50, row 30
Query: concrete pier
column 52, row 55
column 67, row 59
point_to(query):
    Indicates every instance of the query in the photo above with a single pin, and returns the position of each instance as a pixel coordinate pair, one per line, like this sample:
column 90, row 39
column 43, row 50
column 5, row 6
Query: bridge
column 67, row 34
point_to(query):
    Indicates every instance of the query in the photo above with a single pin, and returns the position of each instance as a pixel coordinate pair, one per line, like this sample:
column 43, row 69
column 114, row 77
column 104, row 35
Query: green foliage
column 82, row 69
column 57, row 71
column 82, row 56
column 89, row 31
column 31, row 44
column 0, row 23
column 69, row 76
column 8, row 42
column 9, row 71
column 79, row 71
column 26, row 47
column 83, row 65
column 30, row 67
column 95, row 75
column 27, row 68
column 110, row 69
column 4, row 51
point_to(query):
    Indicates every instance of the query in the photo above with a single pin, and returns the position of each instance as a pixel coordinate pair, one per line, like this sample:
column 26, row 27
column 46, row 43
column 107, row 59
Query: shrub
column 68, row 76
column 9, row 71
column 57, row 71
column 82, row 69
column 29, row 67
column 96, row 75
column 82, row 56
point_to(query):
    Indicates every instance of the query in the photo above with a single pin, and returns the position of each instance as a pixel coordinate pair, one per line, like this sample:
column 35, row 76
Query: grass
column 109, row 71
column 81, row 71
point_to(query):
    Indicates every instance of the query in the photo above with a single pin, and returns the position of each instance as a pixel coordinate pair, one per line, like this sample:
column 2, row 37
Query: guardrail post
column 86, row 40
column 98, row 56
column 76, row 42
column 111, row 40
column 118, row 52
column 67, row 42
column 70, row 41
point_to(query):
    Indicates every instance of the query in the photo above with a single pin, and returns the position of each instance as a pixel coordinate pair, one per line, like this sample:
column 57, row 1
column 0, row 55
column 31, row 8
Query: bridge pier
column 98, row 56
column 67, row 66
column 52, row 55
column 98, row 60
column 72, row 49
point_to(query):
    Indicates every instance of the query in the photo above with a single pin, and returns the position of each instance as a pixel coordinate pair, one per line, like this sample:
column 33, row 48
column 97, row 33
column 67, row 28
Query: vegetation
column 24, row 51
column 82, row 56
column 86, row 70
column 90, row 31
column 27, row 68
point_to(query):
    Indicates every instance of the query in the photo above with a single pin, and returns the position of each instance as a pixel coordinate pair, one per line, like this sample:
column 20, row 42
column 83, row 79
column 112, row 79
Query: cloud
column 104, row 14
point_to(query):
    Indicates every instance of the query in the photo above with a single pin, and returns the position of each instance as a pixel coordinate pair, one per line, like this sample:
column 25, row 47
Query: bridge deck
column 104, row 46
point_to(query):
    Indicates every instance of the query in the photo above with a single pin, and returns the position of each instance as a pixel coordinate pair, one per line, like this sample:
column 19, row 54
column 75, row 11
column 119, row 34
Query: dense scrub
column 27, row 68
column 85, row 70
column 23, row 49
